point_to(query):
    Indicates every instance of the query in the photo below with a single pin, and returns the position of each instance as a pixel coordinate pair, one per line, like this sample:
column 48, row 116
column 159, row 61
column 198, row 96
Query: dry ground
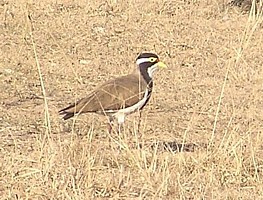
column 210, row 99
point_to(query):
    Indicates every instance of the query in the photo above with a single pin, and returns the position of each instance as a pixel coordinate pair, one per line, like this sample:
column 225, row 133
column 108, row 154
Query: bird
column 121, row 96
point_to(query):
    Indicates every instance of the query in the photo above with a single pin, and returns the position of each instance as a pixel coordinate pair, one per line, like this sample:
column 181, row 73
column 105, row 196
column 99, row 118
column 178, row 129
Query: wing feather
column 115, row 94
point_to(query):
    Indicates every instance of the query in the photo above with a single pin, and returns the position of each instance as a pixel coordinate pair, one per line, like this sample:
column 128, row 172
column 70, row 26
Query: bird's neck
column 145, row 75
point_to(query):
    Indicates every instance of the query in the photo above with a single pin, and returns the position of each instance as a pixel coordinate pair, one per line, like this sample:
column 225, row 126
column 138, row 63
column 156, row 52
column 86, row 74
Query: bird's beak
column 161, row 65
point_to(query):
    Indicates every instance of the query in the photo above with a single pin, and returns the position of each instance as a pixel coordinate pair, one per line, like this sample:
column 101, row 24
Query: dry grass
column 210, row 100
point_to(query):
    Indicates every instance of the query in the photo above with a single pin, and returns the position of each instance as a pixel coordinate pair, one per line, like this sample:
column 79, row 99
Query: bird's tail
column 68, row 112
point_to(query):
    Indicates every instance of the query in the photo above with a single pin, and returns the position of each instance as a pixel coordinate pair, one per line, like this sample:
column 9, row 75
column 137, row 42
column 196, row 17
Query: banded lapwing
column 121, row 96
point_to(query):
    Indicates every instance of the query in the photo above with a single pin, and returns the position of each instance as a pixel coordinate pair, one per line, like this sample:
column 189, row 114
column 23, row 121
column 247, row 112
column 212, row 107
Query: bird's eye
column 152, row 59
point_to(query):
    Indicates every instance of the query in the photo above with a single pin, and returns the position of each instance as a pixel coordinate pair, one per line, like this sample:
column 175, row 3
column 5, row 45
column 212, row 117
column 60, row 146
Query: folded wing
column 113, row 95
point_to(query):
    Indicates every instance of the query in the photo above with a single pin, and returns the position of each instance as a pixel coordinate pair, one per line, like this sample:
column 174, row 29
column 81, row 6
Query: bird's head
column 148, row 63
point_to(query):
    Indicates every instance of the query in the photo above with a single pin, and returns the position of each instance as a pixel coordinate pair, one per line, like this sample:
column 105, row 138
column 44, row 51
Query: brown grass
column 209, row 100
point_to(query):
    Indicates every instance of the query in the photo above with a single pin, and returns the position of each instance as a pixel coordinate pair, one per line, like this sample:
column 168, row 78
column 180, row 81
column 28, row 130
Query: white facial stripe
column 151, row 69
column 142, row 60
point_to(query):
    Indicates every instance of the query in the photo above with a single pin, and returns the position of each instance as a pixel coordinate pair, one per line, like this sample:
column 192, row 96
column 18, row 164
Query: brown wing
column 113, row 95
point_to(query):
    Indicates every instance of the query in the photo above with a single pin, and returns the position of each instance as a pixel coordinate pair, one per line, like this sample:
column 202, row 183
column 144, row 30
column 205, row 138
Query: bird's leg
column 139, row 122
column 138, row 133
column 110, row 124
column 120, row 127
column 121, row 119
column 109, row 127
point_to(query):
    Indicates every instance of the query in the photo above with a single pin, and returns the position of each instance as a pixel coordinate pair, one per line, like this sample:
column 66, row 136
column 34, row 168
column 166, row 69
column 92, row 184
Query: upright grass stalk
column 253, row 22
column 46, row 111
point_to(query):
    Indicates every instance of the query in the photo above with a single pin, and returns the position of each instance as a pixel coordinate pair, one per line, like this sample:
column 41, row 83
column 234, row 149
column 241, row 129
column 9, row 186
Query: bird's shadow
column 173, row 146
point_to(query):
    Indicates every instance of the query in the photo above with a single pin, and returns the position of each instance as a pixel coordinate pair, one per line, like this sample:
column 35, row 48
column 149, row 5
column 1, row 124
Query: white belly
column 120, row 115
